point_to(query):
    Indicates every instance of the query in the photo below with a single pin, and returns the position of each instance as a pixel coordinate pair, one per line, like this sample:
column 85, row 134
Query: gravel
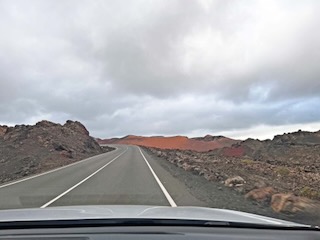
column 216, row 195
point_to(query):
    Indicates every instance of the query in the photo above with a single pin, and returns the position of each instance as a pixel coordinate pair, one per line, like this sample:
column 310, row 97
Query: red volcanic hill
column 200, row 144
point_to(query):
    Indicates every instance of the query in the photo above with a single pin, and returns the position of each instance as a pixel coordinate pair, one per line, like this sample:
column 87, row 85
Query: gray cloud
column 166, row 67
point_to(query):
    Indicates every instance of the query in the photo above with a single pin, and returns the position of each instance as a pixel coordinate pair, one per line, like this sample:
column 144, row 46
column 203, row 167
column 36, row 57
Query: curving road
column 127, row 175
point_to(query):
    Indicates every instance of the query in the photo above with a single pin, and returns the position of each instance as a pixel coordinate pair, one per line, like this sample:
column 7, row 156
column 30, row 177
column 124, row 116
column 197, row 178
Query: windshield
column 202, row 103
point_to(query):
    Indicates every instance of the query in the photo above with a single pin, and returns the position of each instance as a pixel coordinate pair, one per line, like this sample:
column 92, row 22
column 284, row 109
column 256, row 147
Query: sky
column 162, row 67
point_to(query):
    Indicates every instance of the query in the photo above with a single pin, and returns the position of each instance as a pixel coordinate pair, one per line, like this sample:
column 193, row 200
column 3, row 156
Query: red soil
column 176, row 142
column 237, row 151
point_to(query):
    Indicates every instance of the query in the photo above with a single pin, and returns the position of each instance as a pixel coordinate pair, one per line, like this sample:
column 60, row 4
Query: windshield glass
column 203, row 103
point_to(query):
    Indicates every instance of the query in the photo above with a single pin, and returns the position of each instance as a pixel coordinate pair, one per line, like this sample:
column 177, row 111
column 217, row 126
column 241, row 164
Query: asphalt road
column 127, row 175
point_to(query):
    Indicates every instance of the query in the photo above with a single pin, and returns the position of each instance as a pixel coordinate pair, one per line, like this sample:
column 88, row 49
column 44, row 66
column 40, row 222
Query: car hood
column 138, row 212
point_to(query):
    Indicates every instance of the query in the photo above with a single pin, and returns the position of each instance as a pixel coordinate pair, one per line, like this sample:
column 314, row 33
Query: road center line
column 73, row 187
column 164, row 190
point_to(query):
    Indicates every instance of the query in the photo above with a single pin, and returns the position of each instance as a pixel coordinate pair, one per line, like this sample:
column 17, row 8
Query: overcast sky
column 187, row 67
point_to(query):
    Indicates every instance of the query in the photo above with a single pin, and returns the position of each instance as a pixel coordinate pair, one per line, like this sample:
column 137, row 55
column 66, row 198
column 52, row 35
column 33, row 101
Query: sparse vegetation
column 309, row 193
column 248, row 161
column 282, row 171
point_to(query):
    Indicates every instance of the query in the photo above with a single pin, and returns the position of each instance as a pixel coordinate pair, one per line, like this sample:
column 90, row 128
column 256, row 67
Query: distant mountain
column 300, row 148
column 209, row 138
column 200, row 144
column 251, row 147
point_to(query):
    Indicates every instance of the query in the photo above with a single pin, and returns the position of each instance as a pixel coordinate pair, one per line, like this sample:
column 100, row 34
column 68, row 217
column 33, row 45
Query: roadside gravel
column 216, row 195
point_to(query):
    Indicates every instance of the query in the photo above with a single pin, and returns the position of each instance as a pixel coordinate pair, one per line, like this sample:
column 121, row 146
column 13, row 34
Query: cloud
column 166, row 67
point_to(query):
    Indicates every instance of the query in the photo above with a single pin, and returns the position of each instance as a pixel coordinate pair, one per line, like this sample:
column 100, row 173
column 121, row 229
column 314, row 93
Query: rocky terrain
column 201, row 144
column 283, row 173
column 27, row 150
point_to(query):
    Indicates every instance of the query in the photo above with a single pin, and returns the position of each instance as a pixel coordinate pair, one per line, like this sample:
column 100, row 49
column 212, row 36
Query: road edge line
column 164, row 190
column 50, row 171
column 79, row 183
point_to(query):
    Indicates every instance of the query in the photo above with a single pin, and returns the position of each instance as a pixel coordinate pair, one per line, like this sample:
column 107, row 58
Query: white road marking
column 51, row 171
column 73, row 187
column 164, row 190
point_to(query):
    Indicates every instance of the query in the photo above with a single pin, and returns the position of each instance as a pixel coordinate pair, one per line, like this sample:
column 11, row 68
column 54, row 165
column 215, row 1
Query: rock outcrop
column 26, row 149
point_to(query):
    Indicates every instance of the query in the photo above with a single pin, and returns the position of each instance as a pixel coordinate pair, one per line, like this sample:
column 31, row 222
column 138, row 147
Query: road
column 127, row 175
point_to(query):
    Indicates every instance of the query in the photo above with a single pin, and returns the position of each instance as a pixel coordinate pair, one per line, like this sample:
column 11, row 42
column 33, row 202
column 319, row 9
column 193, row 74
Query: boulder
column 289, row 203
column 187, row 167
column 234, row 181
column 210, row 177
column 259, row 184
column 3, row 130
column 260, row 194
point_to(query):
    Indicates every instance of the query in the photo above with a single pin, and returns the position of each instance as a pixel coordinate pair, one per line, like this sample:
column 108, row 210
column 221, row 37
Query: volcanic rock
column 26, row 149
column 234, row 181
column 289, row 203
column 260, row 194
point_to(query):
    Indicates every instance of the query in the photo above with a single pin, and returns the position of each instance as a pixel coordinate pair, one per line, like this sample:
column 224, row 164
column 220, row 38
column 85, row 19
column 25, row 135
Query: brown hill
column 26, row 149
column 289, row 165
column 300, row 145
column 291, row 161
column 204, row 144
